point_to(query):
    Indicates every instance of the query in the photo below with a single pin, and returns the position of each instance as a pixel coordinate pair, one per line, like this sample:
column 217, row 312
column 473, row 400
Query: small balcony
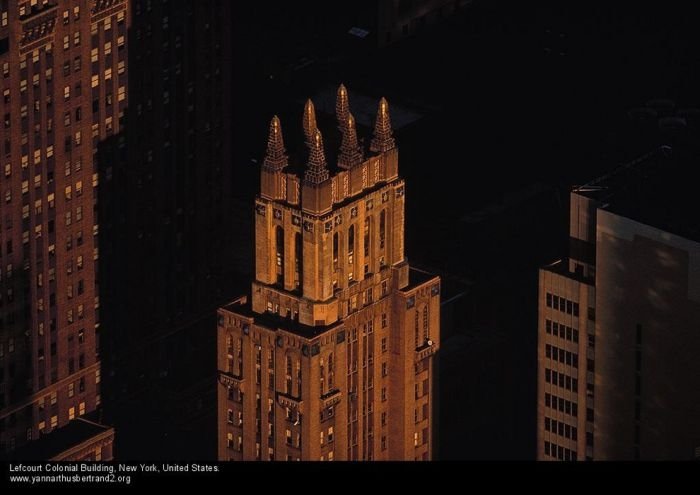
column 426, row 350
column 230, row 380
column 286, row 400
column 331, row 398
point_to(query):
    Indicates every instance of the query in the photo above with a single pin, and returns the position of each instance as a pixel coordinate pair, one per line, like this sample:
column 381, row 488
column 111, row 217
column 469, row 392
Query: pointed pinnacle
column 342, row 106
column 275, row 157
column 309, row 120
column 316, row 171
column 350, row 153
column 383, row 139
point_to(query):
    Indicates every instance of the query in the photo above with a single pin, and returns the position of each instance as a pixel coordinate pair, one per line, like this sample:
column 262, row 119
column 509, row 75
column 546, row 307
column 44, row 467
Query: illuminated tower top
column 321, row 232
column 275, row 157
column 383, row 139
column 309, row 120
column 317, row 171
column 342, row 106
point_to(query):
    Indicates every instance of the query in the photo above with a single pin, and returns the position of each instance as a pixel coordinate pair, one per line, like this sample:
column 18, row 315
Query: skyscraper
column 167, row 222
column 64, row 91
column 618, row 371
column 332, row 355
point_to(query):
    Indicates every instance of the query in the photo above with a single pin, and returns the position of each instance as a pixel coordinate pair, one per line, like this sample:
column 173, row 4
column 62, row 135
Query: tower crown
column 309, row 121
column 383, row 139
column 350, row 153
column 342, row 106
column 317, row 170
column 275, row 157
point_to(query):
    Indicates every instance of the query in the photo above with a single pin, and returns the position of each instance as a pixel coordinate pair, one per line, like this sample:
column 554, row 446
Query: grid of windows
column 562, row 331
column 558, row 452
column 560, row 428
column 561, row 405
column 565, row 357
column 562, row 304
column 561, row 380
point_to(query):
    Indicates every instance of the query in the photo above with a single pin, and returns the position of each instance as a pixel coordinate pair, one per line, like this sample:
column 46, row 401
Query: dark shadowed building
column 169, row 233
column 618, row 370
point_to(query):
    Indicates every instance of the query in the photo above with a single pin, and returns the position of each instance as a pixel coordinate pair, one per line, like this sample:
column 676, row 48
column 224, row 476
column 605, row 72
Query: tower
column 64, row 92
column 331, row 357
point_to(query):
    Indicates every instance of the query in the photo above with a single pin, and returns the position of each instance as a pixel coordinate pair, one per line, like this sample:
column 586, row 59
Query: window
column 426, row 331
column 351, row 249
column 336, row 241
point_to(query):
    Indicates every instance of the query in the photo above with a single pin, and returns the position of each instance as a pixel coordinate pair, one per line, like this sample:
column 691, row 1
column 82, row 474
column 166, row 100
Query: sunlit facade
column 332, row 355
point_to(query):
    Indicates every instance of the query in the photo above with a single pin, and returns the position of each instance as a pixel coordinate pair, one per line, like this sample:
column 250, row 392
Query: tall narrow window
column 288, row 377
column 330, row 371
column 279, row 244
column 351, row 250
column 426, row 325
column 298, row 261
column 417, row 332
column 367, row 242
column 298, row 367
column 336, row 241
column 239, row 352
column 322, row 376
column 382, row 228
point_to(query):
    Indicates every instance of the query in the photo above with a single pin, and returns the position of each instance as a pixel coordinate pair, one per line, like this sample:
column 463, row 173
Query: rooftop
column 655, row 189
column 54, row 444
column 417, row 277
column 561, row 267
column 275, row 321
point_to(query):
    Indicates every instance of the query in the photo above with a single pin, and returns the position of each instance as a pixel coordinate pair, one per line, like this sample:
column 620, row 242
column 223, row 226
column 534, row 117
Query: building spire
column 309, row 121
column 383, row 139
column 350, row 152
column 342, row 106
column 316, row 172
column 275, row 157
